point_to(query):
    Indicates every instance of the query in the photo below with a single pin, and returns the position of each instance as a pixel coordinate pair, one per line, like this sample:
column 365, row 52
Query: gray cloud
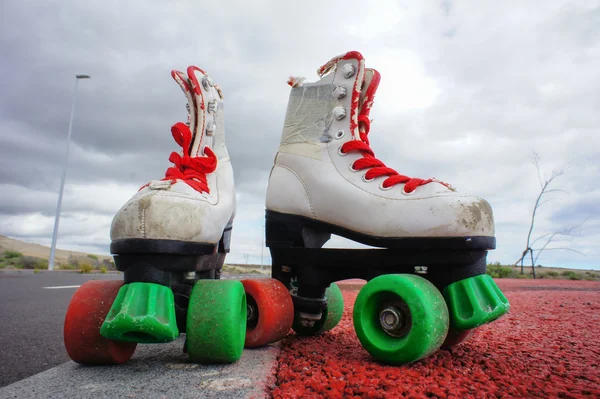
column 467, row 94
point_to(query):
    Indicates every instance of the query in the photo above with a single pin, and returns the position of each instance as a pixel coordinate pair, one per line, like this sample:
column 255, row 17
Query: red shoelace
column 192, row 170
column 375, row 166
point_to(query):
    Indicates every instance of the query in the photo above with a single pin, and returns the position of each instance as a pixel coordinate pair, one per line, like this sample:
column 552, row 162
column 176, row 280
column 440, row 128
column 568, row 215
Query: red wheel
column 270, row 311
column 86, row 312
column 456, row 337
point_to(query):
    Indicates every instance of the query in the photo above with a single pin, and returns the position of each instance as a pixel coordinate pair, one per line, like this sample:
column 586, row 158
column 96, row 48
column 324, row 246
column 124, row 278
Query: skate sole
column 145, row 245
column 283, row 231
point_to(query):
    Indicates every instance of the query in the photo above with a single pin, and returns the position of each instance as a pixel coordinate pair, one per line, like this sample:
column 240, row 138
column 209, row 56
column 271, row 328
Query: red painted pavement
column 548, row 346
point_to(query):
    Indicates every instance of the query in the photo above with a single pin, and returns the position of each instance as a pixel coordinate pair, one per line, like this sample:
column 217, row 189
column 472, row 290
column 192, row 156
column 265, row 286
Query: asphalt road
column 31, row 319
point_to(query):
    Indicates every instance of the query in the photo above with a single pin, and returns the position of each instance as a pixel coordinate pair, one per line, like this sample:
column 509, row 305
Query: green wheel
column 400, row 318
column 216, row 321
column 331, row 316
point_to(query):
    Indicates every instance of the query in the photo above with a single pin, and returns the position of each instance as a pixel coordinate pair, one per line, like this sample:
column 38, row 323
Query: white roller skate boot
column 326, row 180
column 193, row 206
column 170, row 240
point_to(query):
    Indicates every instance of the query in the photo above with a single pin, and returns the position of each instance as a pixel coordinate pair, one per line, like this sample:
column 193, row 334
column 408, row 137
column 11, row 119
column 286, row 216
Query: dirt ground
column 40, row 251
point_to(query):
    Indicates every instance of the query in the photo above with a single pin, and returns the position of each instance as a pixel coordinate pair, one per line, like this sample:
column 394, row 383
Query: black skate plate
column 318, row 267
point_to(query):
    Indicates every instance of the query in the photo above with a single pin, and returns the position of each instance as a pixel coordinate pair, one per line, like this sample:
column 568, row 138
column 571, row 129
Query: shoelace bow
column 375, row 166
column 192, row 170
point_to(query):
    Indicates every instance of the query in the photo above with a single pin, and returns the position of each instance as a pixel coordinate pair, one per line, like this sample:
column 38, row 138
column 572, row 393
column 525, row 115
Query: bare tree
column 550, row 237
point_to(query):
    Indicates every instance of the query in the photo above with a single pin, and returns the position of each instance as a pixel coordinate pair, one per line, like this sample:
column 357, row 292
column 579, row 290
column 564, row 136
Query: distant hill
column 41, row 251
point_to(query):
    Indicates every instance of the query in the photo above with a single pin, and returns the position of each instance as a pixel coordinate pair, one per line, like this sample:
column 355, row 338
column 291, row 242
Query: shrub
column 495, row 270
column 12, row 254
column 41, row 264
column 73, row 261
column 86, row 263
column 85, row 268
column 552, row 274
column 28, row 262
column 109, row 264
column 569, row 274
column 95, row 260
column 230, row 269
column 103, row 270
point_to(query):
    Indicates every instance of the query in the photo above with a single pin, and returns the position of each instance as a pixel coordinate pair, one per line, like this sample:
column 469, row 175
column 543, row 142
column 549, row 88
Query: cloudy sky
column 467, row 94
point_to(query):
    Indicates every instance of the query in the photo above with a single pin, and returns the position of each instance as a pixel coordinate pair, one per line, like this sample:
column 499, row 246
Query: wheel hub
column 308, row 319
column 251, row 312
column 393, row 320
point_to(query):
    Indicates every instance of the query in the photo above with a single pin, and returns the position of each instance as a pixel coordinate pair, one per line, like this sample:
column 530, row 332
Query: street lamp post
column 64, row 175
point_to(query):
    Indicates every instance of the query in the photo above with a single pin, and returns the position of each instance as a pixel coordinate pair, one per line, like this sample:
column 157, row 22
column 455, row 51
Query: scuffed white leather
column 431, row 211
column 296, row 195
column 179, row 212
column 319, row 183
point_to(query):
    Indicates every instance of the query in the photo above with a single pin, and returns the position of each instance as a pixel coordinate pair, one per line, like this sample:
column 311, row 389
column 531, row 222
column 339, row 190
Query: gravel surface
column 547, row 346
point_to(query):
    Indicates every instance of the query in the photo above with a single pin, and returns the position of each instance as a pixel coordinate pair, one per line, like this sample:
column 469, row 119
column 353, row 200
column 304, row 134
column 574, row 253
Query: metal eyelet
column 352, row 168
column 348, row 70
column 339, row 134
column 340, row 153
column 339, row 92
column 384, row 188
column 212, row 106
column 210, row 130
column 339, row 113
column 364, row 178
column 206, row 83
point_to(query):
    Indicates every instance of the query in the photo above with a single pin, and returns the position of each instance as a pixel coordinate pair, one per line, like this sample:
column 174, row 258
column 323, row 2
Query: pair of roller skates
column 427, row 285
